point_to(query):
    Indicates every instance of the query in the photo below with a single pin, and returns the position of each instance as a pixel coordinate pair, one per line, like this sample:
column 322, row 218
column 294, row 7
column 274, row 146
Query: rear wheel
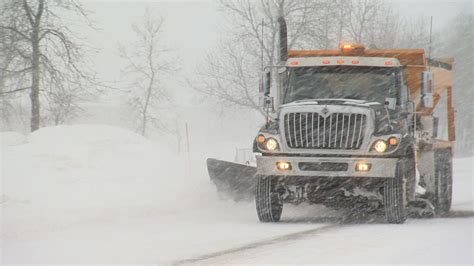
column 268, row 203
column 443, row 181
column 395, row 192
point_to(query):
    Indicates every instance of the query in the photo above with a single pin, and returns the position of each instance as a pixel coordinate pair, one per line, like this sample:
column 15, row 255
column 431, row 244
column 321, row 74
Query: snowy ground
column 98, row 194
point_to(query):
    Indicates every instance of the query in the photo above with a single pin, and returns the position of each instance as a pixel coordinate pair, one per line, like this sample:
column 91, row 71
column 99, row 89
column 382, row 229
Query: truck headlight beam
column 363, row 167
column 380, row 146
column 283, row 166
column 271, row 144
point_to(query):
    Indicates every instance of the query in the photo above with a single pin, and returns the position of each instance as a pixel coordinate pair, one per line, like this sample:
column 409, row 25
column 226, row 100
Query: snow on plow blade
column 233, row 180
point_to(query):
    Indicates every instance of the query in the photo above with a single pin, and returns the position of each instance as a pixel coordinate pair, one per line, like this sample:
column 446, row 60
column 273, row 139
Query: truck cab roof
column 343, row 61
column 406, row 57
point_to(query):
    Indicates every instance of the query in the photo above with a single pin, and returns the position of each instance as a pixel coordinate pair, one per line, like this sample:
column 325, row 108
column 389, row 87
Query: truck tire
column 443, row 182
column 395, row 192
column 268, row 203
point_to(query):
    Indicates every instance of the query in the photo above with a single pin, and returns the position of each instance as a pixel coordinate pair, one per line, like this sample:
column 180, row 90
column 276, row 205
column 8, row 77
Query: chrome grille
column 335, row 131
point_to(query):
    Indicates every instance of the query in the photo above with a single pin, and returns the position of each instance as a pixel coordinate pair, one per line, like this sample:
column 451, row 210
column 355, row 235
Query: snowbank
column 11, row 138
column 68, row 174
column 100, row 194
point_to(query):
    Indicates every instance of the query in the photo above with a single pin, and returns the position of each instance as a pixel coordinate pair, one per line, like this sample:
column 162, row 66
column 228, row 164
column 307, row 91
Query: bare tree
column 46, row 50
column 12, row 72
column 415, row 32
column 361, row 13
column 372, row 22
column 232, row 72
column 6, row 46
column 63, row 104
column 146, row 63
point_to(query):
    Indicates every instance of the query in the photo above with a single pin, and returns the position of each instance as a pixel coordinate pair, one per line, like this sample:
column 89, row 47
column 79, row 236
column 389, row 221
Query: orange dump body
column 414, row 63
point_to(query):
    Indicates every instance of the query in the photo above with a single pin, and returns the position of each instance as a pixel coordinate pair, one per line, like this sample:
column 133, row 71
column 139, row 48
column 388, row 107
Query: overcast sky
column 192, row 27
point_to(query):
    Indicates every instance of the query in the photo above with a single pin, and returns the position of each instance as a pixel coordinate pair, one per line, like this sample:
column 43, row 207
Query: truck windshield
column 372, row 84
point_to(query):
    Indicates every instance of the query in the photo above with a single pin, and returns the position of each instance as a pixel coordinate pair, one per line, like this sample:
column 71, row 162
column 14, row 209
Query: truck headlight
column 271, row 144
column 380, row 146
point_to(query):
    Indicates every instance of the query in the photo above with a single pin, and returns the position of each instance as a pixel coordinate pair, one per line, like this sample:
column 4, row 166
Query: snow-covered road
column 430, row 241
column 442, row 240
column 77, row 201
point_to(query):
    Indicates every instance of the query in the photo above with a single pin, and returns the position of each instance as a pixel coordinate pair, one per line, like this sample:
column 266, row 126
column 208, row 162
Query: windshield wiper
column 305, row 100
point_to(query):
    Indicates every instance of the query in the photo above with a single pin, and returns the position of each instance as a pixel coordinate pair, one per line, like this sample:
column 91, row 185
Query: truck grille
column 314, row 131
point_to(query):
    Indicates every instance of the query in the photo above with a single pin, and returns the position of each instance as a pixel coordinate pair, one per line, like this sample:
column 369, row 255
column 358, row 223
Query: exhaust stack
column 283, row 44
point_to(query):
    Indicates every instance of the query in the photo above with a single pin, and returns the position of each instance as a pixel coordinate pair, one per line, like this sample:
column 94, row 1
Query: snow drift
column 10, row 138
column 100, row 194
column 68, row 174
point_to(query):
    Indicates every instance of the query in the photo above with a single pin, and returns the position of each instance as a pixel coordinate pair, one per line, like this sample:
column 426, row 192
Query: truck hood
column 353, row 102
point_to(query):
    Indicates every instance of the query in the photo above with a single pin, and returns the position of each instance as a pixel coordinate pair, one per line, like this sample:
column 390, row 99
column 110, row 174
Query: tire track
column 276, row 240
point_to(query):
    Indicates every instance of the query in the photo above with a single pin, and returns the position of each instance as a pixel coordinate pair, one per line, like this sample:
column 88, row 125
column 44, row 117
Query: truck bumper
column 327, row 167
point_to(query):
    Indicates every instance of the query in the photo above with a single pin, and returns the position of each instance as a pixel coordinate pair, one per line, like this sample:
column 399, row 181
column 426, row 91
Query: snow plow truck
column 350, row 127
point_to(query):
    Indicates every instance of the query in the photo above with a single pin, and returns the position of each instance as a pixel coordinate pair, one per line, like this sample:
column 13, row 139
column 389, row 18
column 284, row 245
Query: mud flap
column 234, row 181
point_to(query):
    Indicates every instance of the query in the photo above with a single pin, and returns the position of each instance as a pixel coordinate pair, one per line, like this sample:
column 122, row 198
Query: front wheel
column 268, row 203
column 395, row 192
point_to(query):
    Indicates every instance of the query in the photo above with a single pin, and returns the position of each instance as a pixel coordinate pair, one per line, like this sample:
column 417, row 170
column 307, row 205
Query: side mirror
column 267, row 83
column 435, row 127
column 391, row 103
column 427, row 85
column 268, row 103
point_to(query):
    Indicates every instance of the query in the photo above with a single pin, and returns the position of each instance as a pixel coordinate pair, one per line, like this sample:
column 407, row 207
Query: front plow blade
column 233, row 180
